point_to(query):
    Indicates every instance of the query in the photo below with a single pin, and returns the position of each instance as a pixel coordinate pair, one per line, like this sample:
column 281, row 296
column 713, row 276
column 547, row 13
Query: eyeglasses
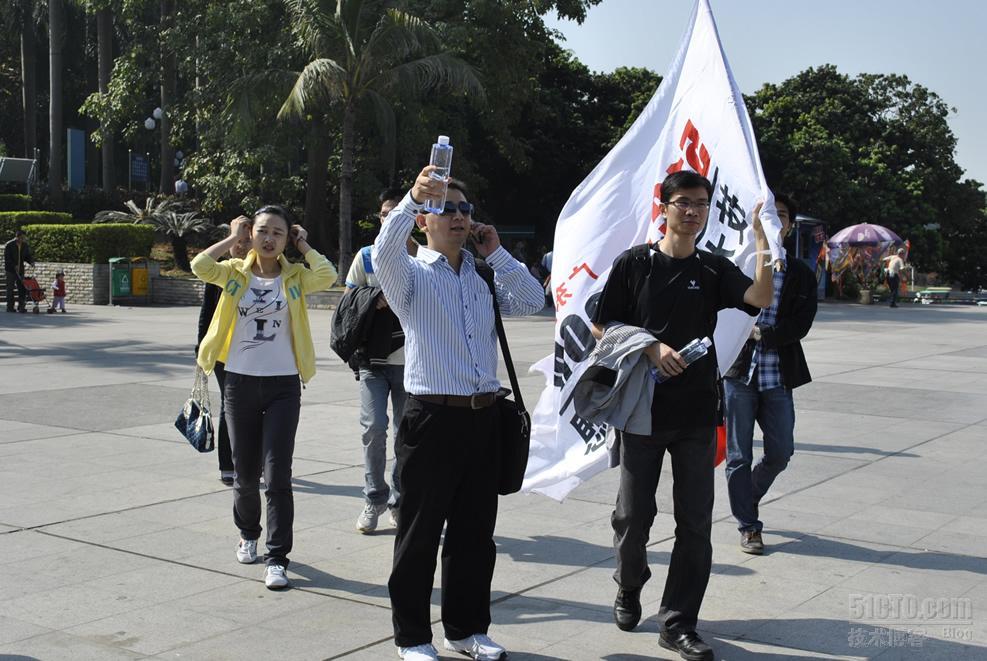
column 685, row 205
column 464, row 208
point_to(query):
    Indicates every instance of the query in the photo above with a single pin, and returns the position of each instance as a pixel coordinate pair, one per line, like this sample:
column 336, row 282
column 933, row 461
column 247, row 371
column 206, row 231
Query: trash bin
column 138, row 277
column 119, row 278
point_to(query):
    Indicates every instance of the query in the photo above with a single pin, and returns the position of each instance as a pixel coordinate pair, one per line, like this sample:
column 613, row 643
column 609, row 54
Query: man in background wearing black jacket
column 381, row 374
column 16, row 253
column 758, row 387
column 210, row 297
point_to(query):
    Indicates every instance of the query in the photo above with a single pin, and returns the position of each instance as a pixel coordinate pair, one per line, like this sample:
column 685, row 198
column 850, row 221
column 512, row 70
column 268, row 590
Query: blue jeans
column 774, row 411
column 375, row 385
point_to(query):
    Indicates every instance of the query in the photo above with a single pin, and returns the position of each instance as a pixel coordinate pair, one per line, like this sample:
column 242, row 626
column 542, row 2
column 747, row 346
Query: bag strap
column 484, row 271
column 200, row 388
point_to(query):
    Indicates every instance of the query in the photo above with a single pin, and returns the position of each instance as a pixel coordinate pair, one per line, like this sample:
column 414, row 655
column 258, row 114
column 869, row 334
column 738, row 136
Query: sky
column 941, row 45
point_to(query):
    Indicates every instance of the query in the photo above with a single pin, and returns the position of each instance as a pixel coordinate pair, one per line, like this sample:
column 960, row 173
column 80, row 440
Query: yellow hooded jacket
column 233, row 276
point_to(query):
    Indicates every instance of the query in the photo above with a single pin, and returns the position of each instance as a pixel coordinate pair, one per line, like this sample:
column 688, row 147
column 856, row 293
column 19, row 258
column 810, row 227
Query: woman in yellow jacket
column 260, row 331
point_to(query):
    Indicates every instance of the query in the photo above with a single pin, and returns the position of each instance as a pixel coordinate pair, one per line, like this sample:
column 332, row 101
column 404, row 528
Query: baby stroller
column 34, row 290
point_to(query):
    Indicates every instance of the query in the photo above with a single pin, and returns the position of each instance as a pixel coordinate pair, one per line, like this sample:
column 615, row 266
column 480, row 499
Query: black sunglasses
column 464, row 208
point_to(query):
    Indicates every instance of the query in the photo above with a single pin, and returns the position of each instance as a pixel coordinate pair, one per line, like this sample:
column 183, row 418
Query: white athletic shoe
column 367, row 521
column 275, row 577
column 478, row 646
column 246, row 551
column 426, row 652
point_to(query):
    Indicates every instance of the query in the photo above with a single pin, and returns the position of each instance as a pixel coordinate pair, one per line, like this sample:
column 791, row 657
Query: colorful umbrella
column 864, row 234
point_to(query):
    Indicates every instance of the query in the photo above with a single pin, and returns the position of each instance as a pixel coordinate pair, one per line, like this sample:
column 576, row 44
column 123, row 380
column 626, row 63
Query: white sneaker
column 368, row 518
column 275, row 577
column 246, row 551
column 426, row 652
column 478, row 646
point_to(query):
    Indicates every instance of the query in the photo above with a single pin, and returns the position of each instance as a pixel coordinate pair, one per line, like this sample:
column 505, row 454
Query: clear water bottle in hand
column 442, row 160
column 690, row 353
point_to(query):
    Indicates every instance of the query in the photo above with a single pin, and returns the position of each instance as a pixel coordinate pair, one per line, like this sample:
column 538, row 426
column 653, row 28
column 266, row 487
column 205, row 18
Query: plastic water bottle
column 690, row 353
column 442, row 160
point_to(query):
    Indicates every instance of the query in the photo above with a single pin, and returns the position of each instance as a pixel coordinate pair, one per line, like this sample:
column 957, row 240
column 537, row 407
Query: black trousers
column 12, row 282
column 447, row 464
column 223, row 434
column 692, row 452
column 894, row 282
column 262, row 416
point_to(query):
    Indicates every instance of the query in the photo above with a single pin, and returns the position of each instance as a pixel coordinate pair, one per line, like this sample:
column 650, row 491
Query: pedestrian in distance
column 16, row 253
column 58, row 292
column 260, row 332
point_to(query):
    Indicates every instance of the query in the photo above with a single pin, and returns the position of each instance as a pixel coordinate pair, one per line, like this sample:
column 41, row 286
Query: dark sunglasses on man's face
column 464, row 208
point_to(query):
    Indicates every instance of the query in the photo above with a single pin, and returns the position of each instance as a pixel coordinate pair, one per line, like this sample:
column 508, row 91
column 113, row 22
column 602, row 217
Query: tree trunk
column 56, row 31
column 29, row 77
column 104, row 32
column 179, row 246
column 316, row 207
column 169, row 82
column 346, row 191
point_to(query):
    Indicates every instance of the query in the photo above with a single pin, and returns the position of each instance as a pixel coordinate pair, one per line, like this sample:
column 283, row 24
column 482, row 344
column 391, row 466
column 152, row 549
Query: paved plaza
column 119, row 540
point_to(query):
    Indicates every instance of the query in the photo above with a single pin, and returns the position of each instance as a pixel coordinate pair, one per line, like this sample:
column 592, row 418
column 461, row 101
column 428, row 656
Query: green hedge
column 11, row 220
column 94, row 243
column 14, row 202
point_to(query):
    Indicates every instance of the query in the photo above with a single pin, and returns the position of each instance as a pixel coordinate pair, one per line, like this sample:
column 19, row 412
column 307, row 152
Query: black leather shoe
column 751, row 542
column 689, row 645
column 627, row 609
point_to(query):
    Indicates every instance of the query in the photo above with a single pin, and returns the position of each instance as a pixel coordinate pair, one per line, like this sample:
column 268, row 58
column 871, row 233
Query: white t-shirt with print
column 261, row 342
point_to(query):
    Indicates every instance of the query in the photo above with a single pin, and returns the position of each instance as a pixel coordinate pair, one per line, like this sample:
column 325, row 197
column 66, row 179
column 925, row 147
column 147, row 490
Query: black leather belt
column 480, row 400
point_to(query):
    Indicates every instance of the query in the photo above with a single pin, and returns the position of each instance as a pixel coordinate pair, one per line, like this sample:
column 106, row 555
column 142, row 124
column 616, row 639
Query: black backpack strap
column 484, row 271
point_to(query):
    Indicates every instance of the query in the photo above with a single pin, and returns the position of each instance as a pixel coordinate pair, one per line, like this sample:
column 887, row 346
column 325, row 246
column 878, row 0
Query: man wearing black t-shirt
column 675, row 292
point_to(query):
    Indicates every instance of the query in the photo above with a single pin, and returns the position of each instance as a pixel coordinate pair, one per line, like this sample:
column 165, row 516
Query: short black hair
column 20, row 232
column 683, row 180
column 394, row 193
column 456, row 184
column 790, row 204
column 275, row 210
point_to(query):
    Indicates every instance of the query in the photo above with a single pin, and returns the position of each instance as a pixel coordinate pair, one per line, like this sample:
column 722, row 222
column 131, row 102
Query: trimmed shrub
column 93, row 243
column 11, row 220
column 14, row 202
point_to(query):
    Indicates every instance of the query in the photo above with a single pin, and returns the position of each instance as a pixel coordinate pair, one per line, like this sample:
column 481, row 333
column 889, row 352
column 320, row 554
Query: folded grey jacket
column 616, row 387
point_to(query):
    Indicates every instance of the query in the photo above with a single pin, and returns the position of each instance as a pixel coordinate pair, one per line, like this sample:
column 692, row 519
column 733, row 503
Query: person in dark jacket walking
column 379, row 362
column 16, row 253
column 210, row 298
column 758, row 387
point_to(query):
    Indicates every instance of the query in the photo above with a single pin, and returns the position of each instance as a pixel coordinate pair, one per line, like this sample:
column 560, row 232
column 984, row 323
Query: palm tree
column 362, row 54
column 164, row 217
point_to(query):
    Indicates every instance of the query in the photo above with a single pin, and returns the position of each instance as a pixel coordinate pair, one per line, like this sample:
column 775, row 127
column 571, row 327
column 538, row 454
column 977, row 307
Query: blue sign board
column 139, row 168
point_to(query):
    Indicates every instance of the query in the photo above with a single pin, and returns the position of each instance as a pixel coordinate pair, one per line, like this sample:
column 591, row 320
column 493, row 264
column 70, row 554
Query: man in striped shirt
column 448, row 443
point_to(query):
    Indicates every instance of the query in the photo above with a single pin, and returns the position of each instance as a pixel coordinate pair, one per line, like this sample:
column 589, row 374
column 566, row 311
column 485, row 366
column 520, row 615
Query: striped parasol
column 864, row 234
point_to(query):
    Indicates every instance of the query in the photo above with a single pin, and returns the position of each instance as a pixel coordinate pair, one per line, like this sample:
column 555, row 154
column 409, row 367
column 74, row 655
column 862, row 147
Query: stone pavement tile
column 874, row 531
column 887, row 577
column 332, row 627
column 74, row 604
column 888, row 513
column 155, row 629
column 250, row 642
column 134, row 404
column 12, row 629
column 247, row 602
column 954, row 376
column 829, row 394
column 971, row 525
column 969, row 569
column 14, row 431
column 932, row 648
column 812, row 502
column 832, row 560
column 107, row 528
column 180, row 543
column 59, row 646
column 775, row 515
column 38, row 514
column 956, row 542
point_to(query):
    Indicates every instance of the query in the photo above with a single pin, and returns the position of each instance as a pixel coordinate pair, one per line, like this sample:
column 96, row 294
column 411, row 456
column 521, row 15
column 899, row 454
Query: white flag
column 695, row 121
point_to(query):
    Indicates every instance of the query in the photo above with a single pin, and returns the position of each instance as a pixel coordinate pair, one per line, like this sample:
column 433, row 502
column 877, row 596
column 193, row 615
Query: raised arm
column 518, row 293
column 761, row 293
column 392, row 263
column 321, row 273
